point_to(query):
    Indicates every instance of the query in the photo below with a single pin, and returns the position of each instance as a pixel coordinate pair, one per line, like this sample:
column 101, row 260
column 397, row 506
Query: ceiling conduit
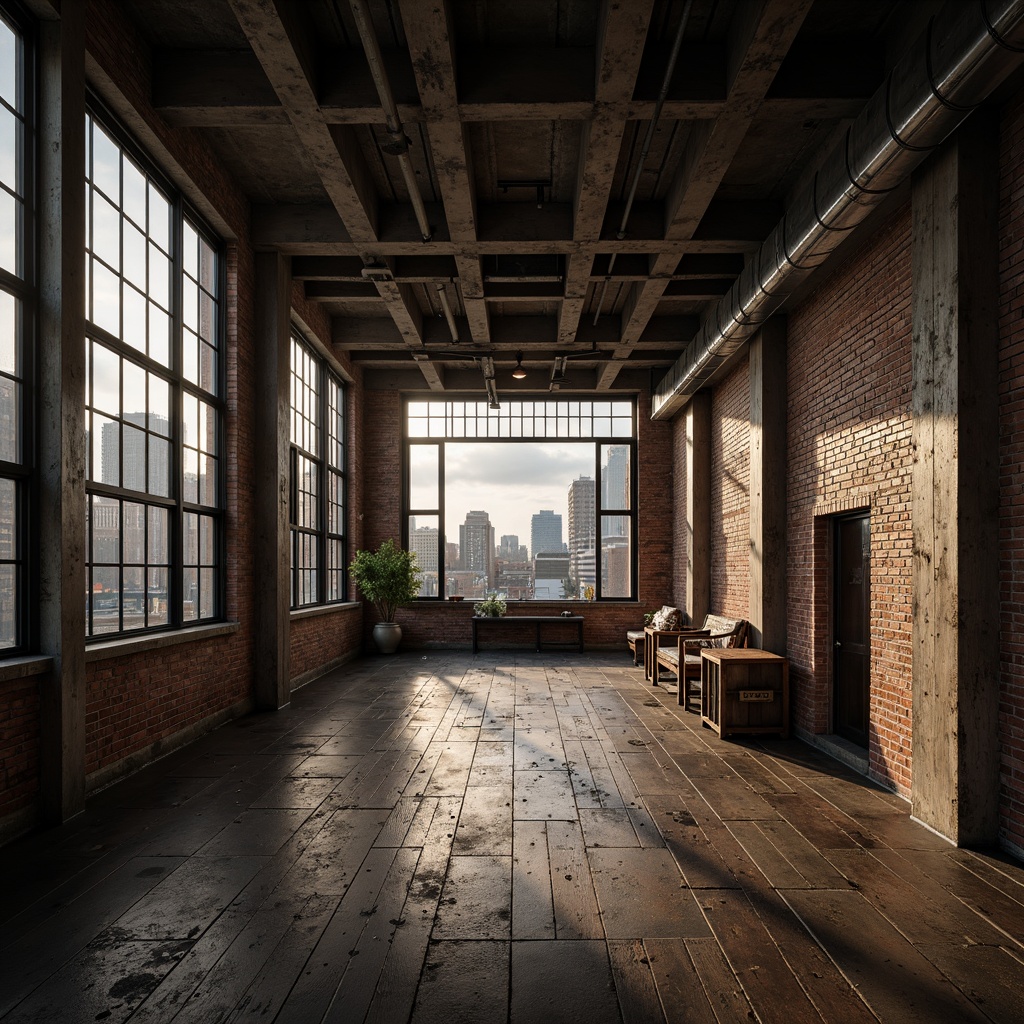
column 967, row 50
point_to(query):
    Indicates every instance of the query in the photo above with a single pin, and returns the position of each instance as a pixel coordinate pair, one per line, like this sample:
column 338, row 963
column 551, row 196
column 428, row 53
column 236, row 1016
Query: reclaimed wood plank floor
column 512, row 838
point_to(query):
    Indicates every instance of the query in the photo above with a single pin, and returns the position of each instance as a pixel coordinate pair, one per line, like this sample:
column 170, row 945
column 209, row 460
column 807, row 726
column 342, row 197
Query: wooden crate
column 744, row 691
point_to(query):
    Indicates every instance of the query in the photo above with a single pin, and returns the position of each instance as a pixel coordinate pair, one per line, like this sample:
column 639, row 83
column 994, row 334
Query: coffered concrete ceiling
column 581, row 199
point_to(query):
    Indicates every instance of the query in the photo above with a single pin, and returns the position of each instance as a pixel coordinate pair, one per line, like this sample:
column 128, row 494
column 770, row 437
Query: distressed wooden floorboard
column 444, row 837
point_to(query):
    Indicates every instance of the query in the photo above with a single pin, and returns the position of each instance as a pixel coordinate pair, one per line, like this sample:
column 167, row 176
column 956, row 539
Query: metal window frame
column 25, row 291
column 632, row 442
column 173, row 374
column 325, row 374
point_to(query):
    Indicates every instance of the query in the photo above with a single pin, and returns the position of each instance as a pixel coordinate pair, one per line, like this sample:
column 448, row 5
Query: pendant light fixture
column 519, row 372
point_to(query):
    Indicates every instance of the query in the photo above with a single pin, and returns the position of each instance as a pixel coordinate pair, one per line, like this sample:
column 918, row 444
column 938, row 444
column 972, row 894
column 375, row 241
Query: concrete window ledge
column 323, row 609
column 24, row 667
column 158, row 641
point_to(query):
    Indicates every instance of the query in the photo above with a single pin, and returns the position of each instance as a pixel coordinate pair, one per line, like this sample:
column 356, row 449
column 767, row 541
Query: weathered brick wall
column 849, row 435
column 1011, row 470
column 730, row 494
column 19, row 744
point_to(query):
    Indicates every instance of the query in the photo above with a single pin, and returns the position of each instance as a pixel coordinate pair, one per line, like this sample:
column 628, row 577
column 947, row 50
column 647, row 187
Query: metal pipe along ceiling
column 967, row 50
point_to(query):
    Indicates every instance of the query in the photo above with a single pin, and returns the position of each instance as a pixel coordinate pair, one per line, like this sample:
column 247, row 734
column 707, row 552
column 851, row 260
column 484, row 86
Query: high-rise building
column 615, row 489
column 550, row 572
column 582, row 529
column 423, row 544
column 476, row 545
column 510, row 550
column 545, row 532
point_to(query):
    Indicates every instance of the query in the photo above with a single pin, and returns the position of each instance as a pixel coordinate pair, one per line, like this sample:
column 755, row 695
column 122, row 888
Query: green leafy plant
column 491, row 605
column 648, row 616
column 388, row 577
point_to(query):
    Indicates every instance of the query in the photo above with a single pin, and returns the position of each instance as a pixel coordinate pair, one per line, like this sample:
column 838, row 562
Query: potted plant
column 491, row 605
column 387, row 577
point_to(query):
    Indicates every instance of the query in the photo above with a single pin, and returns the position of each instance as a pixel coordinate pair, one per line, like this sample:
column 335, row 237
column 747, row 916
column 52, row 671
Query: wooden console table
column 536, row 620
column 744, row 691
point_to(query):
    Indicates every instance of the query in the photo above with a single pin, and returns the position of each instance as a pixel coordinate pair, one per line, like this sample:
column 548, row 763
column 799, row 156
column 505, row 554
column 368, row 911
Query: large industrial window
column 534, row 500
column 317, row 480
column 154, row 399
column 16, row 306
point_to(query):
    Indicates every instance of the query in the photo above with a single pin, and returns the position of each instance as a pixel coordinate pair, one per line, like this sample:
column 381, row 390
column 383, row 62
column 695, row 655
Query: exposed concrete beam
column 283, row 48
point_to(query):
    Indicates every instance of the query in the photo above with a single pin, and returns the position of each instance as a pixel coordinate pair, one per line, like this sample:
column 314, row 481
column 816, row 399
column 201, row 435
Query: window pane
column 10, row 416
column 616, row 557
column 106, row 163
column 106, row 451
column 423, row 476
column 9, row 233
column 615, row 477
column 8, row 607
column 106, row 380
column 8, row 147
column 158, row 538
column 423, row 542
column 157, row 609
column 9, row 314
column 190, row 538
column 190, row 590
column 8, row 65
column 8, row 519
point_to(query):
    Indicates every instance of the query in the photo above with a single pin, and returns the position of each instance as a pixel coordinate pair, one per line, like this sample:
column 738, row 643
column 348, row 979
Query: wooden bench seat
column 683, row 658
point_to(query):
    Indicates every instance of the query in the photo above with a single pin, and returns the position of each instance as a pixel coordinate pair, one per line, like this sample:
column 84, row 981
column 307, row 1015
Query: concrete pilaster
column 767, row 362
column 955, row 488
column 272, row 561
column 61, row 415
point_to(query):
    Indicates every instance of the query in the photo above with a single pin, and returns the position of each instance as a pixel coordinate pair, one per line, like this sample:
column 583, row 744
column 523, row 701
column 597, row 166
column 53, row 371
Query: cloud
column 512, row 481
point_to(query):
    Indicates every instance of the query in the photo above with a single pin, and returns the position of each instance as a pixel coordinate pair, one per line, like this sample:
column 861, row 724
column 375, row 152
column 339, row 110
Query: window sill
column 141, row 644
column 24, row 667
column 324, row 609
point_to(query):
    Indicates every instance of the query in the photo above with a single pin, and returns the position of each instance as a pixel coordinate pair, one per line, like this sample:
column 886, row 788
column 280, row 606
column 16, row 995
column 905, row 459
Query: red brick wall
column 730, row 494
column 19, row 744
column 849, row 434
column 1011, row 468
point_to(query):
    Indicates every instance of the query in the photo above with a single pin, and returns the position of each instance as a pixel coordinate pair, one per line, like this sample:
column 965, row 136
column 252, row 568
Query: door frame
column 835, row 522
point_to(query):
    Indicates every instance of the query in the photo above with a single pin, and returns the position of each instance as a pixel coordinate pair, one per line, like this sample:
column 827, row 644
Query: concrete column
column 956, row 488
column 698, row 507
column 61, row 410
column 767, row 614
column 272, row 563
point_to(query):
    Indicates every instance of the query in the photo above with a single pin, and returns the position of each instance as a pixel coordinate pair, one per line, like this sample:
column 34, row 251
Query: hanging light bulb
column 519, row 373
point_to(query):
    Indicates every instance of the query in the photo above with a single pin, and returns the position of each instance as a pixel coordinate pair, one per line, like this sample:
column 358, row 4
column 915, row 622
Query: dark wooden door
column 851, row 628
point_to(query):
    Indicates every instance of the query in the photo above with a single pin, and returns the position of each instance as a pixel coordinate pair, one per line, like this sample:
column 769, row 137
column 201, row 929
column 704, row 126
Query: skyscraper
column 476, row 544
column 545, row 532
column 582, row 529
column 614, row 489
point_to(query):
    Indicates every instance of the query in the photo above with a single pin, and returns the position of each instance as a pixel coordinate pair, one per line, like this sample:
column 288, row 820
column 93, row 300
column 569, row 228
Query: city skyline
column 512, row 483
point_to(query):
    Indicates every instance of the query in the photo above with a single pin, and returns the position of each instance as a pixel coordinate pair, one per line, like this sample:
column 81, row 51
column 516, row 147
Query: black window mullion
column 176, row 573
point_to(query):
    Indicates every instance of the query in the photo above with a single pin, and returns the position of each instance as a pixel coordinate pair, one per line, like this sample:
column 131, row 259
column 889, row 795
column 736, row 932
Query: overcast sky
column 512, row 482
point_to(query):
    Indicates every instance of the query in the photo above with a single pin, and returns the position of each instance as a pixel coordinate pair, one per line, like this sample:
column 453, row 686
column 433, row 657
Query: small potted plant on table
column 492, row 606
column 388, row 577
